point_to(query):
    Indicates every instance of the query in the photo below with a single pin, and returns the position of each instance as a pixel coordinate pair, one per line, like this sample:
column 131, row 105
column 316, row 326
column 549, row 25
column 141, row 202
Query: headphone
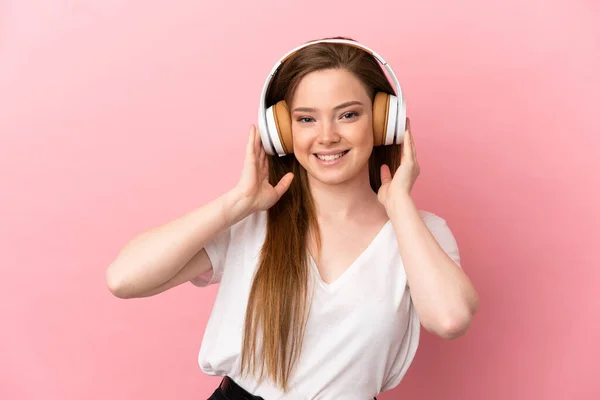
column 389, row 111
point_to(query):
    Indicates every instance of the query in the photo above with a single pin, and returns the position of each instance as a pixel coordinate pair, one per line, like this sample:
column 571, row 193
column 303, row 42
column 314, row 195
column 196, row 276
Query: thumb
column 386, row 175
column 284, row 184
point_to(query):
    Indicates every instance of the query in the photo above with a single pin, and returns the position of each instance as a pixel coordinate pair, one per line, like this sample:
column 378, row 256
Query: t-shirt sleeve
column 441, row 231
column 216, row 249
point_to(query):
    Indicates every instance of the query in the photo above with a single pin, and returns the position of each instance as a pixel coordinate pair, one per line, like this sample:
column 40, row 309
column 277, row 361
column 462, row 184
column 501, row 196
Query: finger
column 407, row 147
column 284, row 184
column 250, row 145
column 412, row 141
column 263, row 155
column 257, row 142
column 413, row 152
column 265, row 166
column 386, row 175
column 261, row 159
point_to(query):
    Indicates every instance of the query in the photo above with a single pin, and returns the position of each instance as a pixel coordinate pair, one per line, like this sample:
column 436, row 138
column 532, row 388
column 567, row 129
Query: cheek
column 368, row 131
column 301, row 140
column 360, row 134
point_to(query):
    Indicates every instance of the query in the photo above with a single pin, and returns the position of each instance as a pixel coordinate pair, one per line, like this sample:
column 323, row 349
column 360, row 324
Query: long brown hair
column 278, row 303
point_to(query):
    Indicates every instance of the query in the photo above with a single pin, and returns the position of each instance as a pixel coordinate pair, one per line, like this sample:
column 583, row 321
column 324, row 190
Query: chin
column 329, row 179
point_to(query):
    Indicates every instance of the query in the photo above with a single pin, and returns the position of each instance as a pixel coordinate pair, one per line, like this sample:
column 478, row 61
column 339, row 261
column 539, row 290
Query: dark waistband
column 234, row 391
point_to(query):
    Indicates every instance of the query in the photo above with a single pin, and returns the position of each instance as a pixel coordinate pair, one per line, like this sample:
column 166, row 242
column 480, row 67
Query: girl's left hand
column 405, row 176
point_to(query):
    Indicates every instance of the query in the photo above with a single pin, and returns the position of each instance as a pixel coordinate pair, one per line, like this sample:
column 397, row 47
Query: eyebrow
column 338, row 107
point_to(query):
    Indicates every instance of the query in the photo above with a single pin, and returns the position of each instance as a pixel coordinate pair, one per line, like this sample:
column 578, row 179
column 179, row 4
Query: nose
column 328, row 134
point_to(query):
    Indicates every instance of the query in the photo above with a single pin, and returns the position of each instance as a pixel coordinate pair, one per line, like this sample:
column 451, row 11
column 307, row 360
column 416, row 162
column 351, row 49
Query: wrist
column 398, row 202
column 234, row 207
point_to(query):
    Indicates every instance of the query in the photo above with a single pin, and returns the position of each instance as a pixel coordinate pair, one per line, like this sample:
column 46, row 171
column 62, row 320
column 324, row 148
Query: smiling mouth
column 331, row 157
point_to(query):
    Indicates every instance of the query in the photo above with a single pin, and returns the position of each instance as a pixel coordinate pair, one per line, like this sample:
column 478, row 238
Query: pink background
column 119, row 115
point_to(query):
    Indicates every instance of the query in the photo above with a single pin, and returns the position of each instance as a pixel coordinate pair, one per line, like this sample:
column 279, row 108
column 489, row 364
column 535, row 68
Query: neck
column 341, row 201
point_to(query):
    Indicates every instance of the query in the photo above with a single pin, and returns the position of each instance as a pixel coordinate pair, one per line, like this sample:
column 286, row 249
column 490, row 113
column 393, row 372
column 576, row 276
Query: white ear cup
column 400, row 121
column 392, row 118
column 264, row 133
column 273, row 134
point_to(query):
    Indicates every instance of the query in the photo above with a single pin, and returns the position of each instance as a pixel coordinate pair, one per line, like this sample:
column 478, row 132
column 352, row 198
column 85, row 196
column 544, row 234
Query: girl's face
column 332, row 126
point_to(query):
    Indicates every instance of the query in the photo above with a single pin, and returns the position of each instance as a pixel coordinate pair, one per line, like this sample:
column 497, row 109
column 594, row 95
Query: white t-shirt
column 362, row 332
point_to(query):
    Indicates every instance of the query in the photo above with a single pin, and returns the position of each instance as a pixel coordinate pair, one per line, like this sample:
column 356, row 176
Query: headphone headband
column 268, row 144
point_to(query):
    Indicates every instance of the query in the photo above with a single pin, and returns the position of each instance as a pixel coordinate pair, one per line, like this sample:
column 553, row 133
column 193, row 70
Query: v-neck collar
column 354, row 265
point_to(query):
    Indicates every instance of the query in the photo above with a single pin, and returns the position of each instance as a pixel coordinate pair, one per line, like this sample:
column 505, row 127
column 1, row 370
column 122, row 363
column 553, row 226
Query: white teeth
column 330, row 157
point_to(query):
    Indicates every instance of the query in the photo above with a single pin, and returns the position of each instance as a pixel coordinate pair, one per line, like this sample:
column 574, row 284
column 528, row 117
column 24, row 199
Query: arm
column 442, row 293
column 171, row 254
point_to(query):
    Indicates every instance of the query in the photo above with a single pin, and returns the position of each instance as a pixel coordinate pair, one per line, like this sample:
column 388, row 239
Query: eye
column 349, row 115
column 304, row 119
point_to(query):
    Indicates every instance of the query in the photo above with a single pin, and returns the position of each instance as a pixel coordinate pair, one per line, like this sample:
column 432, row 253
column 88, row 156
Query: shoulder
column 439, row 228
column 432, row 220
column 226, row 248
column 250, row 226
column 248, row 230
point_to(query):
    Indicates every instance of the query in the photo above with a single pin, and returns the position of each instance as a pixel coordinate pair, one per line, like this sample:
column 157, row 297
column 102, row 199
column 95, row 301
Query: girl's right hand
column 254, row 190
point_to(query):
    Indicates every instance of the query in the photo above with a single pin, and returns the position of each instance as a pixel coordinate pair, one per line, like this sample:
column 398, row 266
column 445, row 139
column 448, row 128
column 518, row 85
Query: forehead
column 328, row 88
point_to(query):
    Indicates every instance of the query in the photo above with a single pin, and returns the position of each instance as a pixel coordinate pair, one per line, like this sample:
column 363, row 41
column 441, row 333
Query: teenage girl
column 326, row 267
